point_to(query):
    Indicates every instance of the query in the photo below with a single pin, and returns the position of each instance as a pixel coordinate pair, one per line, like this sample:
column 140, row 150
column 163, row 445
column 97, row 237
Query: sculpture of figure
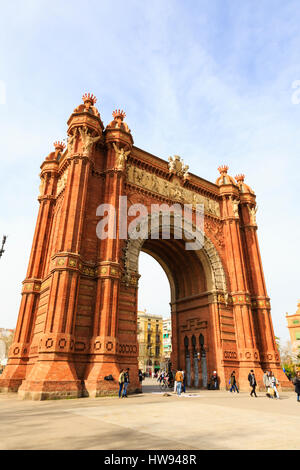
column 172, row 165
column 194, row 200
column 71, row 141
column 62, row 182
column 235, row 207
column 176, row 192
column 165, row 188
column 95, row 111
column 87, row 140
column 154, row 183
column 177, row 167
column 211, row 208
column 139, row 176
column 121, row 157
column 252, row 213
column 118, row 122
column 185, row 170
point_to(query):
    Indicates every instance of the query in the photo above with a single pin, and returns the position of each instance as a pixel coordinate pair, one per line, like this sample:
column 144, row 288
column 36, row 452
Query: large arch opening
column 195, row 278
column 154, row 331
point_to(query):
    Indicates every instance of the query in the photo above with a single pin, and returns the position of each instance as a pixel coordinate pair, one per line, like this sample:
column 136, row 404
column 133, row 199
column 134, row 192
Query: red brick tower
column 77, row 323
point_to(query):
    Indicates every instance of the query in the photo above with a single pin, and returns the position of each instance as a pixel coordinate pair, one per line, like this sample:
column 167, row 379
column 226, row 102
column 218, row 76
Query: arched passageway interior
column 189, row 303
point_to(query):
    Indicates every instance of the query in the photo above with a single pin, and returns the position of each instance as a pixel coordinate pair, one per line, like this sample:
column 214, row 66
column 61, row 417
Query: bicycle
column 165, row 384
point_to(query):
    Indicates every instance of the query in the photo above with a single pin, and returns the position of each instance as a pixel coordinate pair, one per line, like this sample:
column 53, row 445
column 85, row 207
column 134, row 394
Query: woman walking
column 296, row 382
column 274, row 383
column 121, row 382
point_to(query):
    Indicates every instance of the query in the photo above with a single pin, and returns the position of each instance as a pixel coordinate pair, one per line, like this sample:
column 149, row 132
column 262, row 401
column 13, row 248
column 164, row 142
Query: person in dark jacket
column 252, row 382
column 233, row 384
column 214, row 380
column 296, row 382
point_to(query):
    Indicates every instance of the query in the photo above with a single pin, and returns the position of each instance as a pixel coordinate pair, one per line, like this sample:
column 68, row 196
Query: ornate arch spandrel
column 208, row 256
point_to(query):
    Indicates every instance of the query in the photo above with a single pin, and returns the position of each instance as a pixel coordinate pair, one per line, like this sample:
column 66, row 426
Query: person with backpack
column 179, row 381
column 252, row 382
column 121, row 382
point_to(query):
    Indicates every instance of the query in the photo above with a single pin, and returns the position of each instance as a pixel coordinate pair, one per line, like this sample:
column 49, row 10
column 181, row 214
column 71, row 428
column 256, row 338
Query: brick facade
column 77, row 322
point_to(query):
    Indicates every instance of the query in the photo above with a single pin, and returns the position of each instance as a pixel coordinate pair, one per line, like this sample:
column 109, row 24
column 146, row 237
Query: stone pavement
column 213, row 420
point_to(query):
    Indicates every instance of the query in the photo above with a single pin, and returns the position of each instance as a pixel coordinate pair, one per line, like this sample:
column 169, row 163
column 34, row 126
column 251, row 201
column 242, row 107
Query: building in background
column 167, row 342
column 294, row 329
column 6, row 337
column 150, row 342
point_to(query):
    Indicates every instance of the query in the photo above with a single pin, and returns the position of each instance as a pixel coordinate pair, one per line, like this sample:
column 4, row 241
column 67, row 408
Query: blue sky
column 208, row 80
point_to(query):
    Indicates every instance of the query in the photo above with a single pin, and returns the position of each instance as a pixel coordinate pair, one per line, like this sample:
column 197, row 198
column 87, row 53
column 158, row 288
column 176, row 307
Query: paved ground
column 213, row 420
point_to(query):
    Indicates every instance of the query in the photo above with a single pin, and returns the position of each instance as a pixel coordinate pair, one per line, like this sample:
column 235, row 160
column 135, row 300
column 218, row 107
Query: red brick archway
column 77, row 318
column 196, row 279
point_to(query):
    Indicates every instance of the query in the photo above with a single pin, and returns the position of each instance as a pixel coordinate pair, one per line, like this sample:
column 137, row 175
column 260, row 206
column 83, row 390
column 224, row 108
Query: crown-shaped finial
column 223, row 169
column 89, row 98
column 59, row 145
column 119, row 113
column 240, row 178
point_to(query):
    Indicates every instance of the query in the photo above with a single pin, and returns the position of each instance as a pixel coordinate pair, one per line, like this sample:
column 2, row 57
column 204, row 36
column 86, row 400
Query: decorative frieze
column 170, row 189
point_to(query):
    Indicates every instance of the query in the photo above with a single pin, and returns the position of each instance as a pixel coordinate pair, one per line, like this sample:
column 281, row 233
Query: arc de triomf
column 77, row 324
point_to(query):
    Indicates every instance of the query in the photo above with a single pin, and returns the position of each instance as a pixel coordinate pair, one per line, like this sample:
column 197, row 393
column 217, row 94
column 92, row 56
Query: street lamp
column 3, row 243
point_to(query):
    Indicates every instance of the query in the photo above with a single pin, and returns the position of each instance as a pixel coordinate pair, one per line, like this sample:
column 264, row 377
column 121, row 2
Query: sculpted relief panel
column 62, row 182
column 172, row 190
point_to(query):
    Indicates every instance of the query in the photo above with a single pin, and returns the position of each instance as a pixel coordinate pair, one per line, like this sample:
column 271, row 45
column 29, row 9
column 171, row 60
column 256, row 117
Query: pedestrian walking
column 126, row 383
column 252, row 382
column 266, row 380
column 175, row 383
column 170, row 378
column 268, row 384
column 214, row 380
column 233, row 383
column 121, row 382
column 274, row 384
column 140, row 376
column 179, row 381
column 296, row 382
column 184, row 381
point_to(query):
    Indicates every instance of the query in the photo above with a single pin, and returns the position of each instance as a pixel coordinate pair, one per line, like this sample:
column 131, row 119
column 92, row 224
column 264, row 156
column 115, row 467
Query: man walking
column 252, row 382
column 121, row 382
column 179, row 381
column 233, row 383
column 126, row 383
